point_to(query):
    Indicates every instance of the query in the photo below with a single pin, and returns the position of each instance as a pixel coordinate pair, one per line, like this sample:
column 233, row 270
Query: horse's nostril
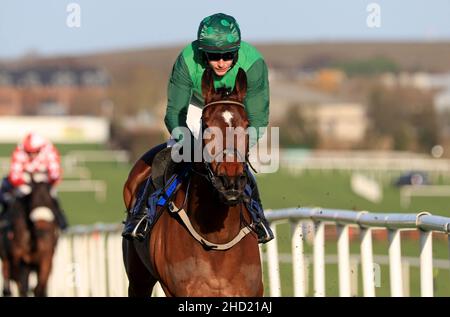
column 232, row 182
column 223, row 180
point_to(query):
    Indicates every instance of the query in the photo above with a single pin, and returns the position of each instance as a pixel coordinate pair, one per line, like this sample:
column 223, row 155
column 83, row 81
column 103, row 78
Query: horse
column 208, row 249
column 29, row 243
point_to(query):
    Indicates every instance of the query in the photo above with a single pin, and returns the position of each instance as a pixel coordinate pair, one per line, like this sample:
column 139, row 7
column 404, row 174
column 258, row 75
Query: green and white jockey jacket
column 185, row 85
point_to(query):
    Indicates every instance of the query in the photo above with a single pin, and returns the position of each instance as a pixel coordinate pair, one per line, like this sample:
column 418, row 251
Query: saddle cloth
column 165, row 179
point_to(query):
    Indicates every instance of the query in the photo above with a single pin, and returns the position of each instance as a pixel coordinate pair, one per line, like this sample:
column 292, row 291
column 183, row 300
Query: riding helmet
column 219, row 33
column 33, row 143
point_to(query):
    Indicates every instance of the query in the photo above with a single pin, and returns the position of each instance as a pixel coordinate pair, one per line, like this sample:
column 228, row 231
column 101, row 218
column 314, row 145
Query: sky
column 41, row 26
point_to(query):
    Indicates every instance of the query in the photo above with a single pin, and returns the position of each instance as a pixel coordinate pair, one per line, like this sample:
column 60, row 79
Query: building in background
column 338, row 124
column 52, row 90
column 330, row 119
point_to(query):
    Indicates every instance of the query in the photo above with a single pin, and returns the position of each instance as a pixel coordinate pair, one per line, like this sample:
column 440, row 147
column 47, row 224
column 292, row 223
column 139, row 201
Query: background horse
column 212, row 199
column 30, row 241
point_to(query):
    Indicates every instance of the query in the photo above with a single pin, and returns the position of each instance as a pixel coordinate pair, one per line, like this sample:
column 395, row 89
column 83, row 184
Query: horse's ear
column 208, row 89
column 240, row 87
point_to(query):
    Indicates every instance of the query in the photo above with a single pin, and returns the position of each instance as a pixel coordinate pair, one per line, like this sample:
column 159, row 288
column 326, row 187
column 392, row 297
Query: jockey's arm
column 179, row 93
column 16, row 174
column 53, row 166
column 257, row 98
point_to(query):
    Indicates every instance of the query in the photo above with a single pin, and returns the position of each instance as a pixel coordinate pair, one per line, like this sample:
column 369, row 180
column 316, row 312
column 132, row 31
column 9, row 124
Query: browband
column 224, row 101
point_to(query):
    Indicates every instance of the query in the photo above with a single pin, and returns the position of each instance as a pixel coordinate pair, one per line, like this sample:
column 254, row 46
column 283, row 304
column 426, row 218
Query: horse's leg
column 140, row 280
column 43, row 273
column 6, row 273
column 137, row 175
column 22, row 282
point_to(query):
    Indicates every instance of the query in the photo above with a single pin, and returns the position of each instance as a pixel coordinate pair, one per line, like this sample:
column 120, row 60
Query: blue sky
column 111, row 24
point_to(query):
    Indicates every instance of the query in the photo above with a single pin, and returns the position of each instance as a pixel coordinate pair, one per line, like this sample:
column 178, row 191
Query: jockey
column 32, row 156
column 219, row 47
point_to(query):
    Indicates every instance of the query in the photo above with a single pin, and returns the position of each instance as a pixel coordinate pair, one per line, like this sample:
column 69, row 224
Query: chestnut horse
column 207, row 249
column 30, row 241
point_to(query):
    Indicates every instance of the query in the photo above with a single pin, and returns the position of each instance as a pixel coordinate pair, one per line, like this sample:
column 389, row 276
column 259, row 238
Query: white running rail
column 88, row 261
column 366, row 221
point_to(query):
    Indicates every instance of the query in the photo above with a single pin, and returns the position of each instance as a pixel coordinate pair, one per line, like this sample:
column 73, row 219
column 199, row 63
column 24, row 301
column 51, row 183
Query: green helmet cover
column 219, row 33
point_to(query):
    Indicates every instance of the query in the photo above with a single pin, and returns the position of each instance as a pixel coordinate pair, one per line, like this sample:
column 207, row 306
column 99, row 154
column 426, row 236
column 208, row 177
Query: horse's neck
column 207, row 212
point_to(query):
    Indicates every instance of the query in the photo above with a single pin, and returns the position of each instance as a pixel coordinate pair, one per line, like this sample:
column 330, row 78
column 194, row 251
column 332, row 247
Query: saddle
column 162, row 168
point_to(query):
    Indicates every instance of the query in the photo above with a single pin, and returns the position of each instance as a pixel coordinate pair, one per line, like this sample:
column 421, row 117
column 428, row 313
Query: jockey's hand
column 23, row 190
column 26, row 178
column 40, row 178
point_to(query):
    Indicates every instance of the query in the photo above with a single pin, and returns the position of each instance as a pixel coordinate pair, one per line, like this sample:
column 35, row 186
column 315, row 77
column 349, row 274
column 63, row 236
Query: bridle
column 209, row 175
column 212, row 178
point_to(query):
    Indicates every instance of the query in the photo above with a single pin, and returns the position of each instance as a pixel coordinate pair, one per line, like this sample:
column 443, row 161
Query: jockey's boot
column 3, row 220
column 136, row 223
column 261, row 225
column 60, row 217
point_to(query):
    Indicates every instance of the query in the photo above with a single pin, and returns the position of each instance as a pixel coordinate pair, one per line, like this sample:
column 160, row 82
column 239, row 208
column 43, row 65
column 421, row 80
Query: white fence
column 99, row 187
column 88, row 261
column 408, row 191
column 81, row 157
column 376, row 163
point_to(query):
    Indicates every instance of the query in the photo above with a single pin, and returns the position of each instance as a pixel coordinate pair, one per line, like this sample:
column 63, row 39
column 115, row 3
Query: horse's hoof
column 7, row 293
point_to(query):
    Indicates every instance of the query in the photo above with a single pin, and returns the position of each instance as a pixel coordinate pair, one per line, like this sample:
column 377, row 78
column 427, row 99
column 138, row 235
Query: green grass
column 83, row 208
column 332, row 190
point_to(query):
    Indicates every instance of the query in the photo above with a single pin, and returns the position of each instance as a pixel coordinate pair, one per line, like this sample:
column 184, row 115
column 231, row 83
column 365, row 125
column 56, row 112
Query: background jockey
column 36, row 155
column 218, row 47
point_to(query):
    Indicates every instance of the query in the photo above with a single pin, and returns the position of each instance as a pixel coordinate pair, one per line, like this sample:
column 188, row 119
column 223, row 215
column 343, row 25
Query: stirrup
column 263, row 231
column 136, row 233
column 140, row 236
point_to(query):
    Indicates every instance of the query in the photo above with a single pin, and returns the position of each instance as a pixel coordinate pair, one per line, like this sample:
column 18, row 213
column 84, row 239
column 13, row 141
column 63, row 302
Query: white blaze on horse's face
column 227, row 116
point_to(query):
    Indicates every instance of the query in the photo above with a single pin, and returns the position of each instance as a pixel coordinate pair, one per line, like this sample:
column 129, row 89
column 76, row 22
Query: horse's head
column 41, row 204
column 225, row 142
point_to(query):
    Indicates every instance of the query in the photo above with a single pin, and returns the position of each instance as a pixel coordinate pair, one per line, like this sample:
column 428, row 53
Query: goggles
column 228, row 56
